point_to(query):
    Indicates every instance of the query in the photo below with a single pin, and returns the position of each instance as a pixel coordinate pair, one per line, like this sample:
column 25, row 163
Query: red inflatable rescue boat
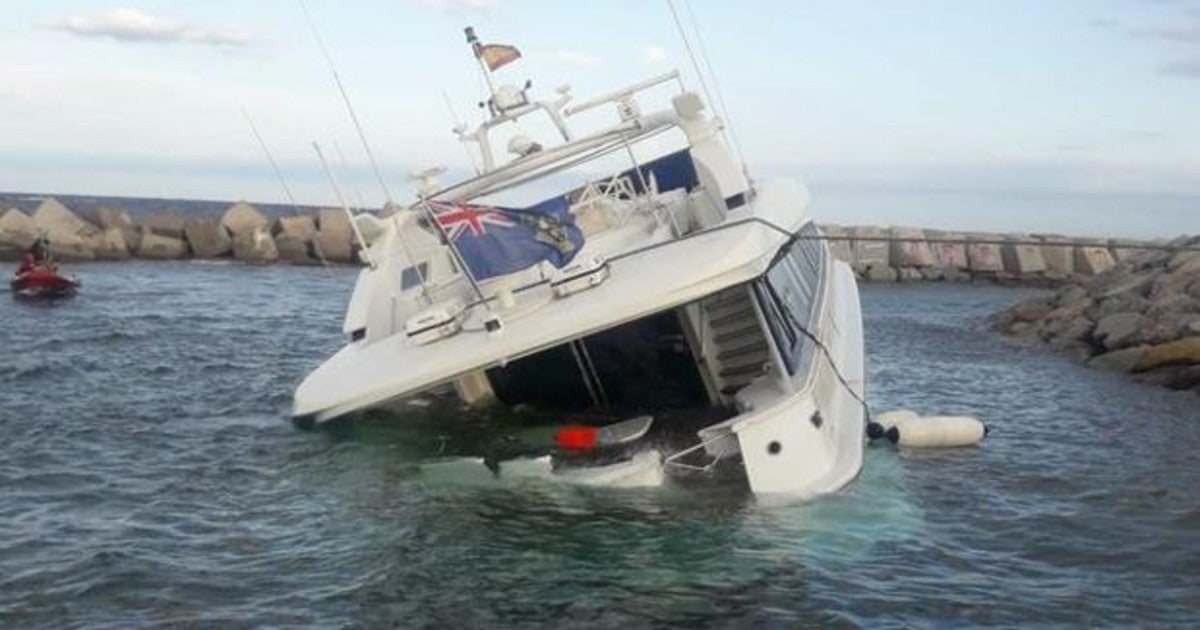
column 43, row 281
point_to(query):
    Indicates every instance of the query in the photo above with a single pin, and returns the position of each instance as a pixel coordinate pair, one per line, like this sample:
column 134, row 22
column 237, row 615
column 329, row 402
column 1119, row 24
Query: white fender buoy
column 879, row 425
column 937, row 431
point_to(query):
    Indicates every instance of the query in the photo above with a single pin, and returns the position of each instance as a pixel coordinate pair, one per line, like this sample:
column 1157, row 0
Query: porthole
column 774, row 447
column 816, row 419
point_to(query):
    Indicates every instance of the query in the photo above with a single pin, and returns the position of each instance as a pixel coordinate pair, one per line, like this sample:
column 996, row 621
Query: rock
column 953, row 274
column 164, row 223
column 1187, row 261
column 1072, row 335
column 1071, row 295
column 1122, row 361
column 933, row 274
column 984, row 257
column 1022, row 259
column 948, row 249
column 17, row 230
column 110, row 244
column 1173, row 376
column 909, row 274
column 1093, row 261
column 1033, row 309
column 1173, row 304
column 207, row 238
column 301, row 226
column 1116, row 331
column 243, row 218
column 910, row 248
column 255, row 246
column 158, row 247
column 1184, row 351
column 880, row 274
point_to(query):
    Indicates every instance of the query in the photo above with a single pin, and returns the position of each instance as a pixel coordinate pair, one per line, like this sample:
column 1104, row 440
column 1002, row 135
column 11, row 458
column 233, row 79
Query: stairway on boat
column 736, row 347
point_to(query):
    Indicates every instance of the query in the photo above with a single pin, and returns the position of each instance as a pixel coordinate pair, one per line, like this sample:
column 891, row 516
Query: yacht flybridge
column 662, row 281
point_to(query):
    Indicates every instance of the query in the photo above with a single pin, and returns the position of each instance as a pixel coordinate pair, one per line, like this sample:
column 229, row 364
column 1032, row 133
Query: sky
column 1073, row 116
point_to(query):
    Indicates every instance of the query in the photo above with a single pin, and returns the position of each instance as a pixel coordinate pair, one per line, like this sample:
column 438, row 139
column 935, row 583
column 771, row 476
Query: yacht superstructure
column 673, row 283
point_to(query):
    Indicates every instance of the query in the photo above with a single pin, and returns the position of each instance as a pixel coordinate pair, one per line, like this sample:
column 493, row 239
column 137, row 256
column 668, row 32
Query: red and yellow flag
column 496, row 55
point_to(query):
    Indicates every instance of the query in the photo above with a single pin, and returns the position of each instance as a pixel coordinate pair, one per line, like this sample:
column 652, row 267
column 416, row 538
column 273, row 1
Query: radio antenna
column 337, row 79
column 271, row 159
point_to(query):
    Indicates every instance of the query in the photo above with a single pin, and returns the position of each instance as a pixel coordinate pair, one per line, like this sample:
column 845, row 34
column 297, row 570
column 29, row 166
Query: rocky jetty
column 242, row 232
column 1141, row 316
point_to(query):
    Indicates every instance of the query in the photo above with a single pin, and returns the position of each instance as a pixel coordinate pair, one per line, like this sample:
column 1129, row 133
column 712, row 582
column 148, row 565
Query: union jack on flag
column 497, row 241
column 457, row 219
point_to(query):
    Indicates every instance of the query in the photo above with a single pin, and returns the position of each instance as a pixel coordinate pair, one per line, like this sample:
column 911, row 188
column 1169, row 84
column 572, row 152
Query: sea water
column 149, row 476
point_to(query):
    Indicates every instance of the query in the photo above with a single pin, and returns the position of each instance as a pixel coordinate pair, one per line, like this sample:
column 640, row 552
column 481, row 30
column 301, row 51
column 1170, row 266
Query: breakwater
column 241, row 232
column 1140, row 318
column 247, row 233
column 906, row 254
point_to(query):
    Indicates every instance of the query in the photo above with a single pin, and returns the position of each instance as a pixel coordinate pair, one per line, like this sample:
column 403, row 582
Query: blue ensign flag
column 496, row 241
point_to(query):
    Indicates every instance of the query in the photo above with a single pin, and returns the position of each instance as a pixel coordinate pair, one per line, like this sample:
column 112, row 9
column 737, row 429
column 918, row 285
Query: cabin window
column 412, row 276
column 789, row 294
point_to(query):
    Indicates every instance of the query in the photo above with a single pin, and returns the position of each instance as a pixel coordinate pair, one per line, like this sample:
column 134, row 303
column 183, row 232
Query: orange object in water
column 577, row 437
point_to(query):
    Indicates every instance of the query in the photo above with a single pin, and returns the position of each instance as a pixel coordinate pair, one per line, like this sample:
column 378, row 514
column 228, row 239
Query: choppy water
column 148, row 477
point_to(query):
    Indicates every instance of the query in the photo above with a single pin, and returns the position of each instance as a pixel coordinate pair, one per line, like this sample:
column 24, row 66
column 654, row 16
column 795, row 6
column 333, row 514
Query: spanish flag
column 496, row 55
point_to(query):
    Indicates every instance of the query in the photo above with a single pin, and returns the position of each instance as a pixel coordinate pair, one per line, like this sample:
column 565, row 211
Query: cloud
column 1189, row 68
column 130, row 25
column 458, row 6
column 1185, row 35
column 652, row 54
column 578, row 58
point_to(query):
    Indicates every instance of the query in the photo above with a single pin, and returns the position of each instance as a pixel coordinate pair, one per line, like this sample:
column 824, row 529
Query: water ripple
column 150, row 479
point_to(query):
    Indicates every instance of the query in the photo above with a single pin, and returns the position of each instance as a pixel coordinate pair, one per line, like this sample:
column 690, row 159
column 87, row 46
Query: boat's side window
column 412, row 276
column 791, row 288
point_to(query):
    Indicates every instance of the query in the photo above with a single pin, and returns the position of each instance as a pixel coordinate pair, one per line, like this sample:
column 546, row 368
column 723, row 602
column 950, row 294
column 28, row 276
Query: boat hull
column 43, row 283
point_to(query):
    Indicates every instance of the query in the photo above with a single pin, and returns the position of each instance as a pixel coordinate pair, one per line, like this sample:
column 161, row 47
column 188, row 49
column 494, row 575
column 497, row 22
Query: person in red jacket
column 28, row 262
column 35, row 256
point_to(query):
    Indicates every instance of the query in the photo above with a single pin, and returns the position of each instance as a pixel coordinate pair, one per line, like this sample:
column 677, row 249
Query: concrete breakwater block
column 110, row 244
column 17, row 229
column 1123, row 249
column 69, row 236
column 255, row 246
column 910, row 249
column 1021, row 258
column 243, row 218
column 334, row 246
column 1093, row 260
column 301, row 226
column 984, row 257
column 164, row 223
column 295, row 250
column 1060, row 259
column 207, row 238
column 158, row 247
column 946, row 254
column 334, row 238
column 870, row 247
column 51, row 216
column 841, row 249
column 115, row 218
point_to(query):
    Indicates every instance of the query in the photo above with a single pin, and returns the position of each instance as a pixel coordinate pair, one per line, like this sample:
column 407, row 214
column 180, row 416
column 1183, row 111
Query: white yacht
column 675, row 285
